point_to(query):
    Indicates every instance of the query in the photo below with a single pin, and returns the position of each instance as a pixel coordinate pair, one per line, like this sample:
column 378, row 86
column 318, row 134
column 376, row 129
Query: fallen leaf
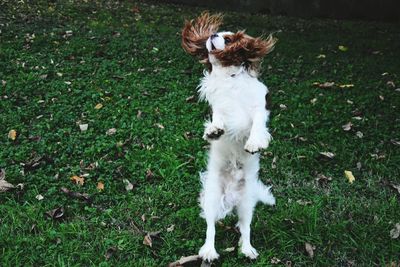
column 229, row 249
column 110, row 252
column 395, row 142
column 100, row 186
column 139, row 114
column 396, row 187
column 283, row 107
column 190, row 98
column 275, row 260
column 78, row 179
column 309, row 249
column 350, row 177
column 56, row 213
column 98, row 106
column 78, row 195
column 328, row 155
column 321, row 56
column 391, row 84
column 128, row 185
column 83, row 127
column 39, row 197
column 322, row 179
column 347, row 127
column 273, row 164
column 4, row 185
column 147, row 240
column 12, row 134
column 346, row 85
column 189, row 260
column 324, row 85
column 171, row 228
column 303, row 202
column 111, row 131
column 313, row 101
column 159, row 125
column 395, row 232
column 343, row 48
column 359, row 134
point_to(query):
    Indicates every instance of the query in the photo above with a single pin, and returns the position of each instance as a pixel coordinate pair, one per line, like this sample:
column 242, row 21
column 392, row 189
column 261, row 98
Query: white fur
column 231, row 181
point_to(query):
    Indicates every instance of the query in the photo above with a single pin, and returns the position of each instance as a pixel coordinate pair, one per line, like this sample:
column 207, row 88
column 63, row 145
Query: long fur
column 237, row 131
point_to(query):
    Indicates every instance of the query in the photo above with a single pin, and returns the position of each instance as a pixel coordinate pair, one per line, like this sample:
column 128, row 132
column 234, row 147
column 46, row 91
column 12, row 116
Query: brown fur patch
column 244, row 49
column 196, row 32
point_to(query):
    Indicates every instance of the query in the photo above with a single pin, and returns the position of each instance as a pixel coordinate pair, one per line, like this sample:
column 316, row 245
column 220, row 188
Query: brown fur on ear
column 196, row 32
column 246, row 50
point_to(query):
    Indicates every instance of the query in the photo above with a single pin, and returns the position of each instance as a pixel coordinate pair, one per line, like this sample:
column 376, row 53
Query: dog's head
column 200, row 37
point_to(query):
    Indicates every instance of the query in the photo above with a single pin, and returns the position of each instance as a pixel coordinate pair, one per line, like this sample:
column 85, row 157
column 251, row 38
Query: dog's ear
column 196, row 32
column 257, row 48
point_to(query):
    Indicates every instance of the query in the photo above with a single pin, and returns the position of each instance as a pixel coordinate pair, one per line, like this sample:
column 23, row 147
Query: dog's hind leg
column 210, row 204
column 245, row 213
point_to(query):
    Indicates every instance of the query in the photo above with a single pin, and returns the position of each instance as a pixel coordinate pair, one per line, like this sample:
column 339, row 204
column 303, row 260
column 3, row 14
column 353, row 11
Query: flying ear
column 196, row 32
column 257, row 48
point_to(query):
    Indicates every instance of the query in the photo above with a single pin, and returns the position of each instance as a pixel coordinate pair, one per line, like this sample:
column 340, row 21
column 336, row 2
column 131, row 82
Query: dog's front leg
column 214, row 129
column 259, row 136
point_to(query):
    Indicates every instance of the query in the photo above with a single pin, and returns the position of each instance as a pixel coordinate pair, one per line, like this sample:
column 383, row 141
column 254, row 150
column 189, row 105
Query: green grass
column 127, row 56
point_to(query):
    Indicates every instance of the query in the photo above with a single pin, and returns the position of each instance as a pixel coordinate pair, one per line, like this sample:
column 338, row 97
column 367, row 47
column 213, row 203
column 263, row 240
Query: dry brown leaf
column 190, row 98
column 56, row 213
column 275, row 260
column 4, row 185
column 395, row 232
column 78, row 195
column 328, row 155
column 347, row 127
column 171, row 228
column 78, row 179
column 395, row 142
column 229, row 249
column 322, row 179
column 12, row 134
column 159, row 125
column 350, row 177
column 309, row 249
column 98, row 106
column 359, row 134
column 110, row 252
column 100, row 186
column 147, row 240
column 111, row 131
column 190, row 260
column 128, row 185
column 396, row 187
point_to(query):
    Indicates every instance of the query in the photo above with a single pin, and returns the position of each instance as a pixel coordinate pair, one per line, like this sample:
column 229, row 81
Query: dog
column 237, row 131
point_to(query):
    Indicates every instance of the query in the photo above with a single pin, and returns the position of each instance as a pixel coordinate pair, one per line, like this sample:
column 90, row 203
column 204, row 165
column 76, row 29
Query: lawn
column 118, row 68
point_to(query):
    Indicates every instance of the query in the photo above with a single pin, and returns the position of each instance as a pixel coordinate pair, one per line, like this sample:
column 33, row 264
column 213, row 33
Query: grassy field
column 120, row 66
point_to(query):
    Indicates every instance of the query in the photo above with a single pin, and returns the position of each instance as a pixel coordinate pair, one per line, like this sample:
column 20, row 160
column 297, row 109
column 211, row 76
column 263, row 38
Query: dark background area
column 382, row 10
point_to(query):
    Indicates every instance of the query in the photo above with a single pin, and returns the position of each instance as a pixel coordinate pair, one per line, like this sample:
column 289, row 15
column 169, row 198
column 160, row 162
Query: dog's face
column 200, row 38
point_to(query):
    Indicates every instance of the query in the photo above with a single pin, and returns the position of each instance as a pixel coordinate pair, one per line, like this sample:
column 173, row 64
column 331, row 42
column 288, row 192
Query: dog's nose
column 214, row 35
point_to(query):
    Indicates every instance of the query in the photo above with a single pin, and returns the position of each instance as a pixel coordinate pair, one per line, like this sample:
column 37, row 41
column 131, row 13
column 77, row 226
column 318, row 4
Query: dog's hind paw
column 208, row 253
column 249, row 252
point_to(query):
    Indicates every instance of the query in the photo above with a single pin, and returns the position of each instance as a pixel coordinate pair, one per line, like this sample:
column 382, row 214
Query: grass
column 127, row 56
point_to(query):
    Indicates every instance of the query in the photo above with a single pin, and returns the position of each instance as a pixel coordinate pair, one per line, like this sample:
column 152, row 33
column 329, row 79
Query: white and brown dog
column 238, row 127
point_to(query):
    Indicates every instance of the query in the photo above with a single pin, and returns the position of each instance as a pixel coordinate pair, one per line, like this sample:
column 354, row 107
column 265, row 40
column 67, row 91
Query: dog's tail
column 264, row 194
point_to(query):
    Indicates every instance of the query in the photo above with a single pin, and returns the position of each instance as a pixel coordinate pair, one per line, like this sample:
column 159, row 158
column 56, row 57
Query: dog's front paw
column 208, row 253
column 249, row 252
column 212, row 132
column 254, row 145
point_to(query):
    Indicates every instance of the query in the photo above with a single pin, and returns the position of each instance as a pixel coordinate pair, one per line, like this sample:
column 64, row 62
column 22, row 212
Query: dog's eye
column 227, row 40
